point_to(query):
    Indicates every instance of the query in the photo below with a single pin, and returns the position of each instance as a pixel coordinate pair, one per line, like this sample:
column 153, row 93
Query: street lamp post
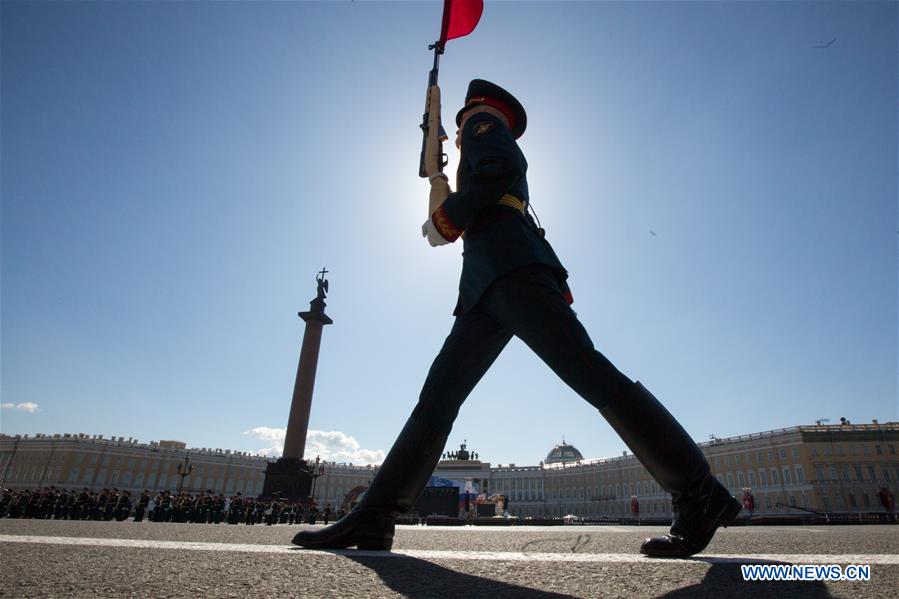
column 184, row 471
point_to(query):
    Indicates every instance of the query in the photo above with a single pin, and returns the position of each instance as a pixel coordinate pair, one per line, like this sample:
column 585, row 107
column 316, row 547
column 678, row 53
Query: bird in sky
column 653, row 233
column 827, row 45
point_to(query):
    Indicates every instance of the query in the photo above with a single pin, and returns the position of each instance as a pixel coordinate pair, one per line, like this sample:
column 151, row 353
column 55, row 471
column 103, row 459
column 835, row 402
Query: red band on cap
column 499, row 105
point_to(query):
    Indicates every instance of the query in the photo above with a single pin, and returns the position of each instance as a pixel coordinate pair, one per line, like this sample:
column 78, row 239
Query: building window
column 853, row 450
column 892, row 449
column 736, row 460
column 760, row 457
column 741, row 482
column 858, row 473
column 763, row 479
column 832, row 473
column 783, row 453
column 93, row 458
column 786, row 473
column 88, row 477
column 852, row 500
column 846, row 476
column 727, row 460
column 800, row 475
column 878, row 449
column 751, row 478
column 730, row 480
column 865, row 500
column 73, row 475
column 886, row 474
column 151, row 481
column 795, row 452
column 79, row 457
column 126, row 479
column 872, row 473
column 819, row 472
column 774, row 480
column 866, row 450
column 827, row 450
column 770, row 455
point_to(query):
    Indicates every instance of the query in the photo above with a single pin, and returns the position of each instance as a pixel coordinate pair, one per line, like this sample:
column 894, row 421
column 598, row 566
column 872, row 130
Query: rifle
column 433, row 159
column 460, row 17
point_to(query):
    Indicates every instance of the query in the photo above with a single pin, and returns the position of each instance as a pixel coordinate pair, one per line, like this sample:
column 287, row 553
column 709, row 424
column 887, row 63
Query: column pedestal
column 290, row 478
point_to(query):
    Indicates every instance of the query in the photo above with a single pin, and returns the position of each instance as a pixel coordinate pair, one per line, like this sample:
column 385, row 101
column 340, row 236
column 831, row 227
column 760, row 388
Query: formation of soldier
column 207, row 507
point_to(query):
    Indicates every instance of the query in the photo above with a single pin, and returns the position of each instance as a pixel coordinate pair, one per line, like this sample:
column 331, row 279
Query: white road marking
column 498, row 556
column 528, row 528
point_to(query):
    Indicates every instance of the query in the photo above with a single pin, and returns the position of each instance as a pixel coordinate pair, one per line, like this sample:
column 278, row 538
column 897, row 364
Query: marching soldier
column 142, row 504
column 512, row 283
column 250, row 511
column 236, row 511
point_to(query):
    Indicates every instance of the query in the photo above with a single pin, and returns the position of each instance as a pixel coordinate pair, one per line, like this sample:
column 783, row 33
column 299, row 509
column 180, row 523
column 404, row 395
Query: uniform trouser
column 529, row 304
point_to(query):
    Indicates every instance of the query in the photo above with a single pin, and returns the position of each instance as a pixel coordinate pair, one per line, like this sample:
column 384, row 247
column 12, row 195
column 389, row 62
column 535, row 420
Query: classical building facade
column 822, row 468
column 76, row 461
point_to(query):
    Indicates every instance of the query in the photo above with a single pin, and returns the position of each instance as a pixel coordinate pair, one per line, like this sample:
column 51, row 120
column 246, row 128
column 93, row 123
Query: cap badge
column 483, row 128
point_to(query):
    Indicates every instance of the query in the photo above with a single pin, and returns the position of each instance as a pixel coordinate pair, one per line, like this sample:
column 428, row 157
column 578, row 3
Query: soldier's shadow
column 726, row 580
column 421, row 579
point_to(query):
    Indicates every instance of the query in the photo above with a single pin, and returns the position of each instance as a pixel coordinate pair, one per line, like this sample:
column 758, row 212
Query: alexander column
column 291, row 476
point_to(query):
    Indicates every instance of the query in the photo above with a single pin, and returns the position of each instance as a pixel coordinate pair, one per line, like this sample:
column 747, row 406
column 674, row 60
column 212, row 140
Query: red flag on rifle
column 460, row 17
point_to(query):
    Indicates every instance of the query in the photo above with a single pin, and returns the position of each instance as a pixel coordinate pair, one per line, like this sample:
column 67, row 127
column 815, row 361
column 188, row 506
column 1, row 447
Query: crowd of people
column 204, row 507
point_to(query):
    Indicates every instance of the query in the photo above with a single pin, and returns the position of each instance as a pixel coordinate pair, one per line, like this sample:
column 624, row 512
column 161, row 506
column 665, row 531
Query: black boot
column 393, row 491
column 701, row 503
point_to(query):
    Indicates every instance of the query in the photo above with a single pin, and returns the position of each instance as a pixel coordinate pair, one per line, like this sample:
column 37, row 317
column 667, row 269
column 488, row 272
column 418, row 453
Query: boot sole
column 726, row 517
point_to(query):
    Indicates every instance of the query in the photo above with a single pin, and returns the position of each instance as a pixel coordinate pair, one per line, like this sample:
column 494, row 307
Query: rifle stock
column 432, row 157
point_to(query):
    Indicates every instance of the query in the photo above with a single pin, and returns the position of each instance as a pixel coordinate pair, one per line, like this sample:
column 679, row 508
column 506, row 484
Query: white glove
column 430, row 231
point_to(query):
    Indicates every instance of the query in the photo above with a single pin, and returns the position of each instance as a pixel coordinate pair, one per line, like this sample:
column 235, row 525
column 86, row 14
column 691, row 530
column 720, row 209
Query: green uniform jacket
column 498, row 237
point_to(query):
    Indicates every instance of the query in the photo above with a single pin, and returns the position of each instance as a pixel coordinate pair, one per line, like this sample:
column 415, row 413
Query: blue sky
column 174, row 175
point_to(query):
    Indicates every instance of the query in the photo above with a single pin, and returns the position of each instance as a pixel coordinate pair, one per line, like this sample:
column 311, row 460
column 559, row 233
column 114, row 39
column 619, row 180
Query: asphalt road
column 124, row 559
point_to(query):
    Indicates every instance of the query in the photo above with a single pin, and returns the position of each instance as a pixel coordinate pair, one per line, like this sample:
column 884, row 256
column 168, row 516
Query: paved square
column 124, row 559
